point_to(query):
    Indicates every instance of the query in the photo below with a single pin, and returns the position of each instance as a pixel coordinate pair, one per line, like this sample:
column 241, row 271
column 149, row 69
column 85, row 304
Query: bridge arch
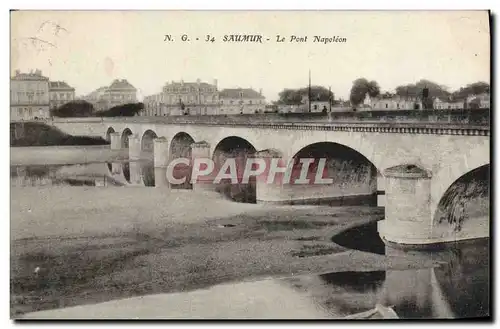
column 353, row 177
column 125, row 135
column 147, row 157
column 180, row 147
column 147, row 140
column 109, row 131
column 240, row 149
column 125, row 144
column 463, row 209
column 364, row 146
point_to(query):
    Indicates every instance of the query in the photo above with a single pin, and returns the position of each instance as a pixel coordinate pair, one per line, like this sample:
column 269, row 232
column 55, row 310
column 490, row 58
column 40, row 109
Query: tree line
column 80, row 108
column 362, row 87
column 295, row 96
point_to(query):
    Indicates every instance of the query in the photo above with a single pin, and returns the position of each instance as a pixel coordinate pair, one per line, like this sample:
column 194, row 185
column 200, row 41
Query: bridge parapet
column 472, row 117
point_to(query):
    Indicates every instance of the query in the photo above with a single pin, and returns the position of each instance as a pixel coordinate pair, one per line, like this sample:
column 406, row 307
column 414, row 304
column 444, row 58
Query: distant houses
column 60, row 93
column 33, row 95
column 202, row 98
column 119, row 92
column 389, row 101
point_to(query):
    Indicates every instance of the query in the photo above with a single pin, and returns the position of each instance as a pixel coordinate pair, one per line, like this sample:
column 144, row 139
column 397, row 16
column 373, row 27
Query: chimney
column 182, row 82
column 215, row 83
column 18, row 72
column 198, row 81
column 260, row 91
column 38, row 72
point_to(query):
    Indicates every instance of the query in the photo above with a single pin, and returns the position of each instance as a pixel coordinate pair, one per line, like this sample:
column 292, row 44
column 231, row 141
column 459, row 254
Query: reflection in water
column 57, row 175
column 457, row 289
column 148, row 173
column 126, row 170
column 356, row 281
column 363, row 237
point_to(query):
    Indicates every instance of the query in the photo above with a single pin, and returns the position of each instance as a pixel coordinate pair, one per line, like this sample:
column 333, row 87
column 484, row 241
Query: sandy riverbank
column 97, row 244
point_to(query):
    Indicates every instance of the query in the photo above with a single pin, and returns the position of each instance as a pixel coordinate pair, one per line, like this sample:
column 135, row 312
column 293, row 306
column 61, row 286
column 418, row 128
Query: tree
column 78, row 108
column 361, row 87
column 125, row 110
column 294, row 96
column 475, row 88
column 415, row 90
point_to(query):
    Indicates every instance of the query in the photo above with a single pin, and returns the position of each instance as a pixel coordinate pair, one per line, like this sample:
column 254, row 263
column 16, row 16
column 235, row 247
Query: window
column 231, row 102
column 20, row 112
column 249, row 102
column 386, row 105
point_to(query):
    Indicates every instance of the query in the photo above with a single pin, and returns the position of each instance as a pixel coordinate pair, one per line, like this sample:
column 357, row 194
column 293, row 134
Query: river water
column 459, row 288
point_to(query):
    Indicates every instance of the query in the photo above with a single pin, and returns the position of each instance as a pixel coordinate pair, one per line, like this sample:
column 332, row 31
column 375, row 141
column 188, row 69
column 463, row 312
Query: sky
column 391, row 47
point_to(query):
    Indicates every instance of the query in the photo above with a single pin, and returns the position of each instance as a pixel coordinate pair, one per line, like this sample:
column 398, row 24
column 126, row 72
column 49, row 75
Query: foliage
column 294, row 96
column 77, row 108
column 415, row 90
column 40, row 134
column 125, row 110
column 361, row 87
column 475, row 88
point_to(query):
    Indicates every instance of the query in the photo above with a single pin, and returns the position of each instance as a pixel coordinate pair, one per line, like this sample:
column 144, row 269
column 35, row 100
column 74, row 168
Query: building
column 190, row 93
column 241, row 101
column 118, row 93
column 449, row 104
column 183, row 98
column 98, row 99
column 481, row 101
column 60, row 93
column 303, row 107
column 201, row 98
column 29, row 96
column 391, row 102
column 154, row 106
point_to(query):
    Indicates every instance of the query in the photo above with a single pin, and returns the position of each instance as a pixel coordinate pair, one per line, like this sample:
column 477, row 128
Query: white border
column 191, row 5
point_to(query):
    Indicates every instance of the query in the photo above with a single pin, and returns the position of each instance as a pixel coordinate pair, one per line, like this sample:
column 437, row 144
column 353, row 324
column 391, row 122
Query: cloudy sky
column 89, row 49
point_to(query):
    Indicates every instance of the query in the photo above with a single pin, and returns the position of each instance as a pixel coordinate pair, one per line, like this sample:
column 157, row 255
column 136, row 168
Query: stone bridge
column 431, row 174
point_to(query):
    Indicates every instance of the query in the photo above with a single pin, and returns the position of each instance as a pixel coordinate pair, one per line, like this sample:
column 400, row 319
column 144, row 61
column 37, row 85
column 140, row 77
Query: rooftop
column 240, row 93
column 60, row 85
column 34, row 76
column 121, row 84
column 189, row 84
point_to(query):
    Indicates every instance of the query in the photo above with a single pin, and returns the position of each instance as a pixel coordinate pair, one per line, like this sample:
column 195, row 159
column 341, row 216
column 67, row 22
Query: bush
column 126, row 110
column 74, row 109
column 40, row 134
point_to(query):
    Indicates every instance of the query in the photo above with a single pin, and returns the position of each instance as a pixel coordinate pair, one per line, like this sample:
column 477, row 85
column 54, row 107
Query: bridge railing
column 454, row 117
column 463, row 118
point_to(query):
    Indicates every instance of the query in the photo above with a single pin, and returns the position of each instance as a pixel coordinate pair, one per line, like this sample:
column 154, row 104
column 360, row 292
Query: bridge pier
column 116, row 144
column 161, row 157
column 201, row 150
column 134, row 151
column 408, row 219
column 270, row 191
